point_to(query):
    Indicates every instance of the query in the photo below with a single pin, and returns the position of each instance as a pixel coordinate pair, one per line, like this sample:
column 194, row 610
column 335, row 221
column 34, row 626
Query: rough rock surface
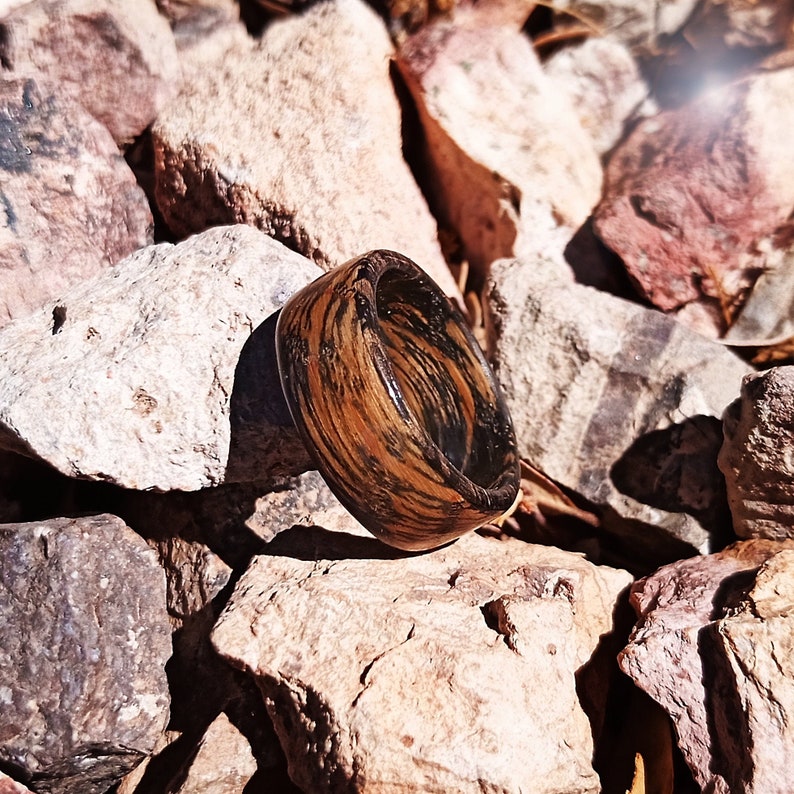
column 616, row 402
column 512, row 169
column 95, row 51
column 10, row 786
column 371, row 661
column 163, row 372
column 61, row 174
column 331, row 189
column 713, row 646
column 694, row 197
column 86, row 634
column 223, row 763
column 756, row 457
column 604, row 84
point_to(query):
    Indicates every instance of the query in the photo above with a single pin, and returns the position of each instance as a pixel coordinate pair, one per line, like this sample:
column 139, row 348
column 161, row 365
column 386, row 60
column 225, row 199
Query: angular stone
column 370, row 661
column 713, row 646
column 10, row 786
column 694, row 197
column 62, row 175
column 618, row 403
column 756, row 457
column 95, row 51
column 512, row 170
column 85, row 643
column 223, row 763
column 604, row 84
column 163, row 373
column 315, row 160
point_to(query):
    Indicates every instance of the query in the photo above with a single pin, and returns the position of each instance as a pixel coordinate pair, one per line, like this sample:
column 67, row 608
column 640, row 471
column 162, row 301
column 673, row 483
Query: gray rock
column 62, row 176
column 162, row 375
column 311, row 156
column 85, row 641
column 641, row 24
column 713, row 646
column 94, row 52
column 756, row 457
column 431, row 672
column 618, row 403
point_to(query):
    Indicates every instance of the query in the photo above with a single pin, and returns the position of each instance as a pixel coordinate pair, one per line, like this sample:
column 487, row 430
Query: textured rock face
column 604, row 84
column 61, row 174
column 756, row 457
column 713, row 646
column 86, row 634
column 694, row 196
column 370, row 664
column 616, row 402
column 512, row 169
column 333, row 188
column 223, row 763
column 95, row 51
column 163, row 372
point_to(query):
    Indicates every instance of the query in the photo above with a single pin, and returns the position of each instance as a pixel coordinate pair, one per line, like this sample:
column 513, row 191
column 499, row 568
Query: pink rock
column 694, row 195
column 709, row 631
column 97, row 51
column 511, row 169
column 70, row 204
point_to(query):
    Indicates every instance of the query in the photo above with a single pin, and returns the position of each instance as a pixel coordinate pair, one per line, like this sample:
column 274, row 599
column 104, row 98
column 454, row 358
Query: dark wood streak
column 395, row 401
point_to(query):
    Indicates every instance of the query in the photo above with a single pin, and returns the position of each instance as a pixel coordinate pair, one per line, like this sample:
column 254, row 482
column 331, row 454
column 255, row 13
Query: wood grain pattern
column 395, row 401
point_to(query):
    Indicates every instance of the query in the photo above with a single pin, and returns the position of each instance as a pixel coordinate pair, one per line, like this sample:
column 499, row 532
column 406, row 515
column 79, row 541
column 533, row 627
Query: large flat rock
column 447, row 671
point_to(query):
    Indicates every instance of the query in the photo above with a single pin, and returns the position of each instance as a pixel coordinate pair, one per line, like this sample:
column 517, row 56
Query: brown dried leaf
column 542, row 495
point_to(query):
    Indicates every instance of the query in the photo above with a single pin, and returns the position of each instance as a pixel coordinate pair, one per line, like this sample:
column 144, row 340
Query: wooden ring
column 395, row 401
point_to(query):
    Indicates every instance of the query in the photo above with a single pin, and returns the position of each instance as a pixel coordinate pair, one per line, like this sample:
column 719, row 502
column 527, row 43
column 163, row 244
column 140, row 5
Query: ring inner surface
column 441, row 377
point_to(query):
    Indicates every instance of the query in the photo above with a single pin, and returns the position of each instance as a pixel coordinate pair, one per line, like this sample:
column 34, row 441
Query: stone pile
column 185, row 606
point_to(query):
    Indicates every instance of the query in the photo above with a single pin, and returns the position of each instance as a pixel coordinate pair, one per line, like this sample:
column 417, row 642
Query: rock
column 85, row 642
column 95, row 51
column 604, row 84
column 223, row 763
column 756, row 457
column 739, row 23
column 315, row 160
column 163, row 373
column 617, row 403
column 61, row 176
column 370, row 661
column 694, row 197
column 305, row 500
column 179, row 12
column 195, row 575
column 641, row 24
column 511, row 168
column 10, row 786
column 713, row 646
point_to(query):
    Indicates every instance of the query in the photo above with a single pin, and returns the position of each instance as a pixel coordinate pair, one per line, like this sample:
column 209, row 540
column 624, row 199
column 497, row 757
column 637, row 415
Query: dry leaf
column 542, row 495
column 638, row 781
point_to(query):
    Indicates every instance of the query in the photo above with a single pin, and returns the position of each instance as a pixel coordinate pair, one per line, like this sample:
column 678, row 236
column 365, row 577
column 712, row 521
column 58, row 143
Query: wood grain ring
column 393, row 397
